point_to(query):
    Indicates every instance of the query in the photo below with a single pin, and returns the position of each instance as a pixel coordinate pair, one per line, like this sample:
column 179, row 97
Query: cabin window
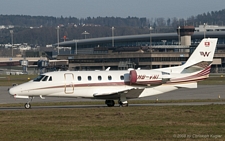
column 99, row 78
column 45, row 78
column 89, row 78
column 37, row 79
column 79, row 78
column 50, row 78
column 121, row 77
column 109, row 77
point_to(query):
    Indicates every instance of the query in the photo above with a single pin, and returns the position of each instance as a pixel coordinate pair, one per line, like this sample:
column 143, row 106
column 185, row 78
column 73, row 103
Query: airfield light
column 113, row 36
column 58, row 38
column 11, row 32
column 204, row 29
column 179, row 35
column 75, row 46
column 85, row 33
column 150, row 29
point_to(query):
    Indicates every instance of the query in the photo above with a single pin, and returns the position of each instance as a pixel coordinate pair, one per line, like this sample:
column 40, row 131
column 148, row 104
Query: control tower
column 184, row 33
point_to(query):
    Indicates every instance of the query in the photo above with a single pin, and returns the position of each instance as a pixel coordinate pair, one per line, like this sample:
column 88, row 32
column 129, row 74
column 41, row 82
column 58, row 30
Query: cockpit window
column 37, row 79
column 50, row 78
column 45, row 78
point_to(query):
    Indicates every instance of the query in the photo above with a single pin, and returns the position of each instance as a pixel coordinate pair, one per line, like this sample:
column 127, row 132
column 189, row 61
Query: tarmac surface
column 214, row 92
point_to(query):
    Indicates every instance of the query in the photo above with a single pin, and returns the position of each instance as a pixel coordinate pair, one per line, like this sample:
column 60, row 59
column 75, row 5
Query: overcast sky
column 116, row 8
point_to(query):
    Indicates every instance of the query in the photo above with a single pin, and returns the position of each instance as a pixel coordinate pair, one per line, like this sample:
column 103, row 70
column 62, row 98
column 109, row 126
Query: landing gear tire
column 27, row 105
column 121, row 104
column 110, row 103
column 125, row 104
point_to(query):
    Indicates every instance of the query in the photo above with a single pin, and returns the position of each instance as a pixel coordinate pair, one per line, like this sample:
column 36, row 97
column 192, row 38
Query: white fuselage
column 75, row 84
column 89, row 84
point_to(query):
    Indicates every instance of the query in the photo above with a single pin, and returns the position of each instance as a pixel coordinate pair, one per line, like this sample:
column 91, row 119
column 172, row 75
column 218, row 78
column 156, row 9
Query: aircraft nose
column 12, row 91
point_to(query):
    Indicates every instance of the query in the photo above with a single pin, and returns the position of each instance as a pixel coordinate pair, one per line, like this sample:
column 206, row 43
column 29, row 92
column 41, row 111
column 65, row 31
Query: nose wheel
column 28, row 105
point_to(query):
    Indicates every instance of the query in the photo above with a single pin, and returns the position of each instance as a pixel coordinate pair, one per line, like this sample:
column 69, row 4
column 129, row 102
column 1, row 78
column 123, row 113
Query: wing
column 129, row 93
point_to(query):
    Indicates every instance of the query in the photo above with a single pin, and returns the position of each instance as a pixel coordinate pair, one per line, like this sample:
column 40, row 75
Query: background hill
column 41, row 30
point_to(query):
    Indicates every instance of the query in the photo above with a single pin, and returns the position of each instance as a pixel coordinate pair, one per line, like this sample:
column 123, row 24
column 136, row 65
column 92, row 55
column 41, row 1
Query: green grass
column 213, row 80
column 128, row 123
column 9, row 80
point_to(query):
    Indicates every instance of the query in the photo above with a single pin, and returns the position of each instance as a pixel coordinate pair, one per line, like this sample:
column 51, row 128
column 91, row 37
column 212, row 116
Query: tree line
column 41, row 30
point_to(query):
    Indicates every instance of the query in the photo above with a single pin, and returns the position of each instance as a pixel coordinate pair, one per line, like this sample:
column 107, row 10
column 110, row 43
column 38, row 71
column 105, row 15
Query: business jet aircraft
column 120, row 85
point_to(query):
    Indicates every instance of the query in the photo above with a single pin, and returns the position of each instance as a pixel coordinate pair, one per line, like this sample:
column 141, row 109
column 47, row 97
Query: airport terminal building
column 146, row 51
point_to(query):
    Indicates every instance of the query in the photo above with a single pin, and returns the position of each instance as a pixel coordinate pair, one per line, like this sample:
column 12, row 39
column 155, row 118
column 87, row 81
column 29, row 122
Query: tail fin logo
column 207, row 44
column 205, row 54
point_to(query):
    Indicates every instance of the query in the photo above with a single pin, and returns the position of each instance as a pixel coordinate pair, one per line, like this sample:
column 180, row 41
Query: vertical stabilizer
column 203, row 53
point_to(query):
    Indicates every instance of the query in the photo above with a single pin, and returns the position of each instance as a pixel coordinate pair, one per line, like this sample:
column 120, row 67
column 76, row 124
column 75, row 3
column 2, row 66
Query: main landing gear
column 123, row 104
column 28, row 105
column 111, row 103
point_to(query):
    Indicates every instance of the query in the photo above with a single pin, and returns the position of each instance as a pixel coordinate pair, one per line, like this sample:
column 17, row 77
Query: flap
column 129, row 93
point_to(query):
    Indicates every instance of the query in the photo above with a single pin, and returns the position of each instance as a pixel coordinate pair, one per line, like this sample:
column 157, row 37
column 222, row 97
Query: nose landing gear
column 28, row 105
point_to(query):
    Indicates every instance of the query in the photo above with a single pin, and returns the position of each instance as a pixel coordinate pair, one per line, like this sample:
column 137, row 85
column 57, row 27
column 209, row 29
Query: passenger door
column 69, row 86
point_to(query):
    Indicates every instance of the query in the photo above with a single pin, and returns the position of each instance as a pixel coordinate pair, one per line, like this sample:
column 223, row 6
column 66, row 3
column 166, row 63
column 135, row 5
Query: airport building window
column 79, row 78
column 99, row 78
column 121, row 77
column 109, row 77
column 89, row 78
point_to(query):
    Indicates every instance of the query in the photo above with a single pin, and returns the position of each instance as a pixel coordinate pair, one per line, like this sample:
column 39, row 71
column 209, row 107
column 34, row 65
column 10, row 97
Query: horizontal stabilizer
column 187, row 85
column 157, row 90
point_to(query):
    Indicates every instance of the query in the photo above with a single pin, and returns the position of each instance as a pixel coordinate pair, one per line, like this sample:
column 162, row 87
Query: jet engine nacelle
column 148, row 77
